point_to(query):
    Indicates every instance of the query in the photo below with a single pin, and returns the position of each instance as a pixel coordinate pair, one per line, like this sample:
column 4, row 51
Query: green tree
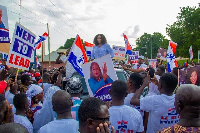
column 186, row 31
column 69, row 43
column 143, row 44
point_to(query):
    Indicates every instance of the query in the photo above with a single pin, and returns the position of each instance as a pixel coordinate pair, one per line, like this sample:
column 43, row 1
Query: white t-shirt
column 46, row 87
column 125, row 119
column 23, row 121
column 69, row 68
column 9, row 96
column 60, row 126
column 144, row 66
column 153, row 89
column 161, row 110
column 127, row 102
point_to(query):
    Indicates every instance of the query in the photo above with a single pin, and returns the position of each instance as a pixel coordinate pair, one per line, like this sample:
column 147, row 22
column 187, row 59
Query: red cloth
column 3, row 86
column 37, row 74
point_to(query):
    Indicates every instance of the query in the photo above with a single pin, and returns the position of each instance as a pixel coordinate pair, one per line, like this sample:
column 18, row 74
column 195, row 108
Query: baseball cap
column 33, row 90
column 142, row 57
column 74, row 85
column 3, row 86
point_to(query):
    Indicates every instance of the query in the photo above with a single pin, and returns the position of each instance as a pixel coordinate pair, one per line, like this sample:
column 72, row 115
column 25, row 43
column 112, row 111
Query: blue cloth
column 98, row 52
column 2, row 25
column 74, row 109
column 95, row 85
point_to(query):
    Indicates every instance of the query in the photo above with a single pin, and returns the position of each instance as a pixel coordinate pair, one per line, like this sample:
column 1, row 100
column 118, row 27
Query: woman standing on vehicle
column 101, row 47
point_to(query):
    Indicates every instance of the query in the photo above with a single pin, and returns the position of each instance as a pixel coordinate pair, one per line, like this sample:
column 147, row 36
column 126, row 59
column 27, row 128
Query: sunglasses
column 102, row 119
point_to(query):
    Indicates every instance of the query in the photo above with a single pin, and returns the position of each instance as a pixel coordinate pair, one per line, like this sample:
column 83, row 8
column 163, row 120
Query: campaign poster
column 21, row 48
column 119, row 52
column 3, row 55
column 152, row 62
column 134, row 57
column 99, row 75
column 162, row 53
column 190, row 75
column 4, row 30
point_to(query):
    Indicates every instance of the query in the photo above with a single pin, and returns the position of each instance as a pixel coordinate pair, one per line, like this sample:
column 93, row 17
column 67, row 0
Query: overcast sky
column 90, row 17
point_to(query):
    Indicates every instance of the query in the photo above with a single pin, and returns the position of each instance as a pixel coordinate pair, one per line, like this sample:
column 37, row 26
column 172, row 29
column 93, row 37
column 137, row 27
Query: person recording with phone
column 155, row 77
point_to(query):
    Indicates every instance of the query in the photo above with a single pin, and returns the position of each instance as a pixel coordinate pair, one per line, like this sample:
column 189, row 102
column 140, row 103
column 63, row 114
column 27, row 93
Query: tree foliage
column 69, row 43
column 143, row 44
column 186, row 31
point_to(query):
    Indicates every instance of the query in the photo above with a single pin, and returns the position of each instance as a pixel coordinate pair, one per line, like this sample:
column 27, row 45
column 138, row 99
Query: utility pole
column 151, row 46
column 49, row 45
column 20, row 3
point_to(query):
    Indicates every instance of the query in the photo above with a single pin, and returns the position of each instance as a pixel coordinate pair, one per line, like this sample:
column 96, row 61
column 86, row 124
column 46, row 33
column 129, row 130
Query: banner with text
column 134, row 56
column 3, row 55
column 21, row 48
column 152, row 62
column 119, row 52
column 4, row 30
column 99, row 75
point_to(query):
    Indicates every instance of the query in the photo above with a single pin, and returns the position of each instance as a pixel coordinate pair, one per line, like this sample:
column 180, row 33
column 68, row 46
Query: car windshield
column 121, row 76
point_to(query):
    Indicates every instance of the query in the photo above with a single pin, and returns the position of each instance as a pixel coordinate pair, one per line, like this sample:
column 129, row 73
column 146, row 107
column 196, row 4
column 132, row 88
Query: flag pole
column 178, row 75
column 49, row 45
column 20, row 3
column 42, row 61
column 16, row 75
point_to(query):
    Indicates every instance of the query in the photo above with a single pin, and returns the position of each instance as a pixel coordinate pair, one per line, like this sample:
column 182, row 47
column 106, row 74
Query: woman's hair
column 191, row 70
column 91, row 74
column 103, row 39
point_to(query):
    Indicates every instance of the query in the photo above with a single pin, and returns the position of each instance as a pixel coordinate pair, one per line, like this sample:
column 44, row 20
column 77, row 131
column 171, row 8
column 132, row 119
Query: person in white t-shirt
column 21, row 104
column 153, row 88
column 187, row 105
column 134, row 82
column 46, row 114
column 140, row 67
column 62, row 58
column 9, row 95
column 161, row 107
column 122, row 117
column 46, row 83
column 62, row 103
column 140, row 64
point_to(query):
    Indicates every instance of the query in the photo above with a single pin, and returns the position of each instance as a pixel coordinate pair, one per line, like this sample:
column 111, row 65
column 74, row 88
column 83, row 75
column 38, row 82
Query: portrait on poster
column 3, row 18
column 4, row 31
column 99, row 75
column 190, row 76
column 162, row 53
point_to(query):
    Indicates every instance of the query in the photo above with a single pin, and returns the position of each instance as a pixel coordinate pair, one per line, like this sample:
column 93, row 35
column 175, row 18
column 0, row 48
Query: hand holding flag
column 77, row 55
column 127, row 45
column 89, row 47
column 171, row 60
column 191, row 53
column 42, row 38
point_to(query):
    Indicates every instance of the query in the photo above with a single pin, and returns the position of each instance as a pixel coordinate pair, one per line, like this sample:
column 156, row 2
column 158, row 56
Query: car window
column 121, row 76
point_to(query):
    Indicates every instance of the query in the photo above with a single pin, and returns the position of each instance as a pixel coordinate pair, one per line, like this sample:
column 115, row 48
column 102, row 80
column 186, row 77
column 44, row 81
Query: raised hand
column 105, row 76
column 103, row 128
